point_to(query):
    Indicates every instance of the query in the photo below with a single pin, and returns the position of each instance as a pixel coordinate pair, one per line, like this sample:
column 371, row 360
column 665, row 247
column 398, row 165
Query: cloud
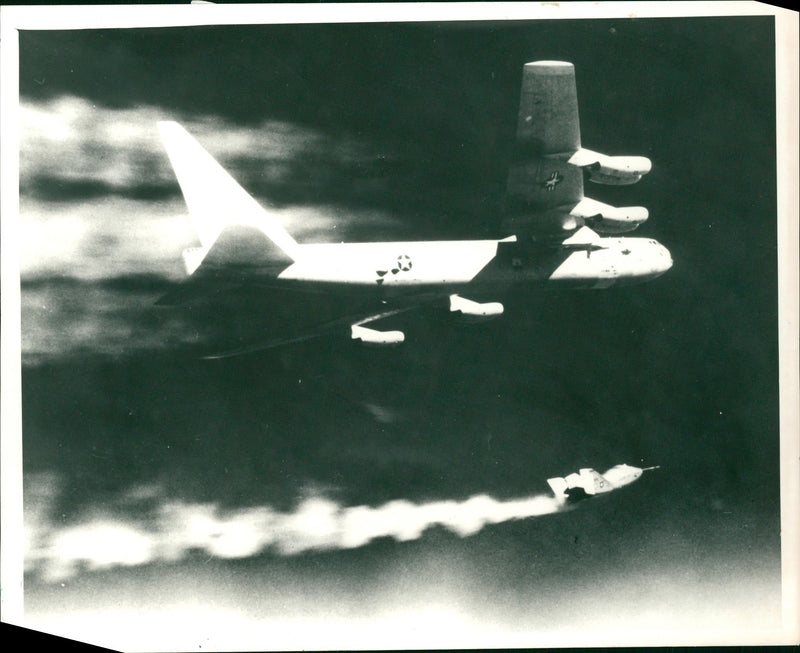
column 72, row 139
column 99, row 201
column 102, row 238
column 99, row 198
column 69, row 146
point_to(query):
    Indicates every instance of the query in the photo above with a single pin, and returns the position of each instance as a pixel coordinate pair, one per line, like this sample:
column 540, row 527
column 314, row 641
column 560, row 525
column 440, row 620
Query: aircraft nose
column 653, row 261
column 665, row 259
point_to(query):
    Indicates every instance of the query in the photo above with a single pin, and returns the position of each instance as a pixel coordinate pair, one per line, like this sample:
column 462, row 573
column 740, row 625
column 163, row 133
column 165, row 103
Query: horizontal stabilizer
column 193, row 257
column 245, row 246
column 239, row 252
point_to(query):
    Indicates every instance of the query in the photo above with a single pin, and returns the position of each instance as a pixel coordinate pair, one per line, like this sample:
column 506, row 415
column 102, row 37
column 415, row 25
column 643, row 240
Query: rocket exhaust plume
column 176, row 528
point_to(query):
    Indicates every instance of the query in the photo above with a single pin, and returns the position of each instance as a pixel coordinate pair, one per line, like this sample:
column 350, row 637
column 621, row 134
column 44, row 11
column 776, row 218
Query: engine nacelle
column 474, row 310
column 611, row 170
column 607, row 219
column 375, row 337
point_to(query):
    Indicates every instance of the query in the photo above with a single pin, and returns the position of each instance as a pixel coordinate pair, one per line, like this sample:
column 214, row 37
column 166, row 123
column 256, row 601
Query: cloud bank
column 102, row 222
column 99, row 199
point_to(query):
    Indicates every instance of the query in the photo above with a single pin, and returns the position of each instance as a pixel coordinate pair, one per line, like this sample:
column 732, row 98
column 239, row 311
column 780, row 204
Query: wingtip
column 166, row 127
column 547, row 68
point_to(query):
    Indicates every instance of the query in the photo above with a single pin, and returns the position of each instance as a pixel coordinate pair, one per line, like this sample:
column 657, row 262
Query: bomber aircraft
column 552, row 235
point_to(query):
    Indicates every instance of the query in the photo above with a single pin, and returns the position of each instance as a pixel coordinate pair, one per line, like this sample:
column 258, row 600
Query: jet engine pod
column 474, row 311
column 607, row 219
column 611, row 170
column 376, row 338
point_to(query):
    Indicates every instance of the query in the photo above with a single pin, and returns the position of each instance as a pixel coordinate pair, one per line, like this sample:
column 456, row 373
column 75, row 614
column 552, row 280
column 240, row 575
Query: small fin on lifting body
column 559, row 486
column 594, row 483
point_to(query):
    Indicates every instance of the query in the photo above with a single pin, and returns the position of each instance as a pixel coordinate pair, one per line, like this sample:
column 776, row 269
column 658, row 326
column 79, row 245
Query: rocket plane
column 587, row 482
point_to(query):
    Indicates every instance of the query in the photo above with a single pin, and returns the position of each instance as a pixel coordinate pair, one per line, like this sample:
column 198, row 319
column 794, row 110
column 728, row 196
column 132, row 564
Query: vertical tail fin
column 594, row 483
column 215, row 200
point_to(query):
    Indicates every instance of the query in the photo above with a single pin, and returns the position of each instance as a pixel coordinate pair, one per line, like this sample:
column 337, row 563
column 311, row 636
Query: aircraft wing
column 545, row 186
column 542, row 187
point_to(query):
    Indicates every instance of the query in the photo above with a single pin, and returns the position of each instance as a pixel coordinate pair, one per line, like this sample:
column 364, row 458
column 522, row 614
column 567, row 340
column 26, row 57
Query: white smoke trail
column 102, row 541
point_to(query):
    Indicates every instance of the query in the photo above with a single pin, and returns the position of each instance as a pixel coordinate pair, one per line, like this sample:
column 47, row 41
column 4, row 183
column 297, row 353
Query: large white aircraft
column 552, row 233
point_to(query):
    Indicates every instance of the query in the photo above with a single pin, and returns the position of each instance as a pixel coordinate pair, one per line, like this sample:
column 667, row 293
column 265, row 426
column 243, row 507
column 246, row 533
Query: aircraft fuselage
column 398, row 266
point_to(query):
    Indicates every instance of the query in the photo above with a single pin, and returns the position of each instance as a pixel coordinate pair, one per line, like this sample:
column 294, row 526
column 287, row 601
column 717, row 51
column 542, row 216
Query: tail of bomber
column 234, row 230
column 544, row 191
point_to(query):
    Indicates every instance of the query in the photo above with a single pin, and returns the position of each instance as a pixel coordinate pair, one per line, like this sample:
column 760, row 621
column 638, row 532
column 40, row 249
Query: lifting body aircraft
column 553, row 234
column 588, row 483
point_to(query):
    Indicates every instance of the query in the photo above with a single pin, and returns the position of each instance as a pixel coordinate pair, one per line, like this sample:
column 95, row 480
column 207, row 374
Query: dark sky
column 445, row 94
column 415, row 122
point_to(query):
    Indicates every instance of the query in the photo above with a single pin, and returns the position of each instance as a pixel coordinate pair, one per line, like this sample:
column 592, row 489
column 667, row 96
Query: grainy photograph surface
column 314, row 492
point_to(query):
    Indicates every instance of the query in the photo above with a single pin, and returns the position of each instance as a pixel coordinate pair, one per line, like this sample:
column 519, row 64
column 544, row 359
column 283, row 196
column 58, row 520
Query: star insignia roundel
column 404, row 262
